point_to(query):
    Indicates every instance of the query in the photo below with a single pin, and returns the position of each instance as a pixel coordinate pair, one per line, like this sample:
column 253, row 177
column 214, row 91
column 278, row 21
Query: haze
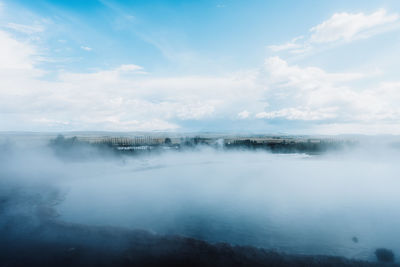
column 199, row 133
column 294, row 203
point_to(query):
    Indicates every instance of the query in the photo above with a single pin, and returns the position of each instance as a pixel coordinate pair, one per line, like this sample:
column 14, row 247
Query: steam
column 294, row 203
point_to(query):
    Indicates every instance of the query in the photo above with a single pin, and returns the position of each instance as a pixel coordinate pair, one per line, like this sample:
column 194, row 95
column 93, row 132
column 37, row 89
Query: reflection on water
column 292, row 203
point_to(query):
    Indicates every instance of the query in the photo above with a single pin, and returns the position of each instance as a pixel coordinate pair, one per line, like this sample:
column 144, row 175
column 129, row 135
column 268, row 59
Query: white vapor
column 342, row 27
column 245, row 198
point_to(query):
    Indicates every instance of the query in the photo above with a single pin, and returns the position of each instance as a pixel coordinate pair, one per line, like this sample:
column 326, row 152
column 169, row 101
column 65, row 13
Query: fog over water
column 294, row 203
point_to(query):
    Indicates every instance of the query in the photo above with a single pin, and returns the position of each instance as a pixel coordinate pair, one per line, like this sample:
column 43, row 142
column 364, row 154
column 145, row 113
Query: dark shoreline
column 57, row 243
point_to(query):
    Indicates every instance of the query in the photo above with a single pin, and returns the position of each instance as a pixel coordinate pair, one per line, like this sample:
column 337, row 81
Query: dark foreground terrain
column 61, row 244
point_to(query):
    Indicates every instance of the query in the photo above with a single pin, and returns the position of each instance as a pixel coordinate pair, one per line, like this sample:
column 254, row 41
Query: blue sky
column 321, row 67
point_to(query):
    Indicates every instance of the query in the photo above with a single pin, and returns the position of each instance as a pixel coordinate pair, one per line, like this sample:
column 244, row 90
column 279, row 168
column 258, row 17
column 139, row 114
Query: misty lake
column 340, row 204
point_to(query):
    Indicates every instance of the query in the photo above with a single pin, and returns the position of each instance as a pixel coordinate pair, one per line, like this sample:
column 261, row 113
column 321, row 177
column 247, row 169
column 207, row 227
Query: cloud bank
column 127, row 97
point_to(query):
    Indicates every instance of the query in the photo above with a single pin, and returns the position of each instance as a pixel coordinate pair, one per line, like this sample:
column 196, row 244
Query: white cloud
column 182, row 98
column 312, row 94
column 306, row 114
column 123, row 99
column 350, row 26
column 86, row 48
column 120, row 98
column 244, row 114
column 111, row 101
column 292, row 45
column 131, row 68
column 342, row 27
column 306, row 78
column 50, row 122
column 26, row 29
column 15, row 54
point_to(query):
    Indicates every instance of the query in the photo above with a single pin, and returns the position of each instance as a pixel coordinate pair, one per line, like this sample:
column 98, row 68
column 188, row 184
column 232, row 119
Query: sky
column 289, row 67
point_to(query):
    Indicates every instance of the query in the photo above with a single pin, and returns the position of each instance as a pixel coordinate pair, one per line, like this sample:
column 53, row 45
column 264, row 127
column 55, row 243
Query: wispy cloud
column 292, row 45
column 86, row 48
column 244, row 114
column 342, row 27
column 351, row 26
column 27, row 29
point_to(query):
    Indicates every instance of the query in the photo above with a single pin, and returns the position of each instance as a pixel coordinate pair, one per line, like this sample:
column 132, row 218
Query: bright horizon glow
column 218, row 66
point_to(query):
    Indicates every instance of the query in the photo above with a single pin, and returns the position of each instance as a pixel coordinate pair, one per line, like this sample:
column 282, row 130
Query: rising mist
column 340, row 203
